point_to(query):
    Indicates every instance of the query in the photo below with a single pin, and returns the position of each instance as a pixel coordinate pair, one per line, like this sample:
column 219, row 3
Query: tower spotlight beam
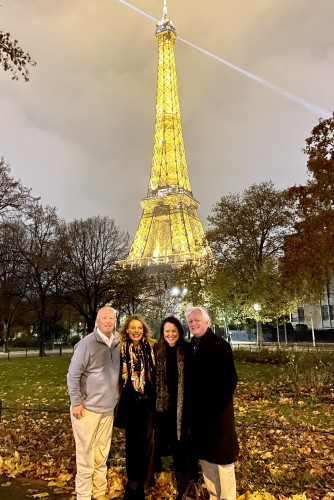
column 324, row 113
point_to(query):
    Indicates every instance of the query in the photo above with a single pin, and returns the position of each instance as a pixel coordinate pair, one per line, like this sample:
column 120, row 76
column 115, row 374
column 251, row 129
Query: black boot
column 134, row 494
column 179, row 484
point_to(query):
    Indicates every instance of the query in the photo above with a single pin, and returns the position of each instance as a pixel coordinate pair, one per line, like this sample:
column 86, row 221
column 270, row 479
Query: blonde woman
column 136, row 405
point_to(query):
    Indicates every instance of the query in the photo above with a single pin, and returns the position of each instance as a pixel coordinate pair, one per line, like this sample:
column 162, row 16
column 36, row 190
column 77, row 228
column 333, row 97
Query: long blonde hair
column 147, row 330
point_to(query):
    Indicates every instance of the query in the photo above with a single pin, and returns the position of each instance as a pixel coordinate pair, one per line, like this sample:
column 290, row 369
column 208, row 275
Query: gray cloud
column 81, row 132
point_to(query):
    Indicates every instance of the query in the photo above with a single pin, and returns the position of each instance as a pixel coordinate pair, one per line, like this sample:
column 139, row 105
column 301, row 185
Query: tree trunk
column 285, row 333
column 5, row 336
column 41, row 339
column 312, row 329
column 260, row 340
column 52, row 337
column 90, row 324
column 277, row 329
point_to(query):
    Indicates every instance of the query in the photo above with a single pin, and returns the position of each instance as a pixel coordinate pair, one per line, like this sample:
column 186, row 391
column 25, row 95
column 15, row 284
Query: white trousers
column 219, row 480
column 92, row 434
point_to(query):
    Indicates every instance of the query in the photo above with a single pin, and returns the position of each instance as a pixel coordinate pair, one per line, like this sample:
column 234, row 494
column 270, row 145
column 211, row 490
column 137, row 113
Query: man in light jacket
column 92, row 381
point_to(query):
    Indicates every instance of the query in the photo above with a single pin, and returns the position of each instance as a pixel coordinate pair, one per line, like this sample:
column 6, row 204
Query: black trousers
column 139, row 442
column 167, row 444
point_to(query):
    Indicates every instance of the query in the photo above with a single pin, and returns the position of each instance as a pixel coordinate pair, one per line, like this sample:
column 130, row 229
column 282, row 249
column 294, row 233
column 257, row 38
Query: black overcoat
column 212, row 381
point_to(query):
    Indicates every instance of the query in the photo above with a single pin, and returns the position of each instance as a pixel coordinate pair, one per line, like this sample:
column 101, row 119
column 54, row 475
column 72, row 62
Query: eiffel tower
column 170, row 231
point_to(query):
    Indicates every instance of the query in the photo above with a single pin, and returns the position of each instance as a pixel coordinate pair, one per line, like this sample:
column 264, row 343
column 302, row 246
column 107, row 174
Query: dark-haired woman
column 136, row 405
column 171, row 358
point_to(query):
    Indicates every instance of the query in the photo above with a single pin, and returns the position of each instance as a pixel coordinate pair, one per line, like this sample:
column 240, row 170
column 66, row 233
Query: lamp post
column 312, row 329
column 257, row 307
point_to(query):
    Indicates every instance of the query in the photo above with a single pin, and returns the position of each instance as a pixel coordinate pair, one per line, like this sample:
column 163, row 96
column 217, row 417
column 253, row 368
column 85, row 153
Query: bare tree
column 14, row 197
column 12, row 286
column 91, row 248
column 36, row 243
column 15, row 201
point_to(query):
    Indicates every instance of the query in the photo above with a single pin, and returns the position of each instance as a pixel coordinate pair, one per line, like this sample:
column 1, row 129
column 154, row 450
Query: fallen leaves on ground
column 283, row 456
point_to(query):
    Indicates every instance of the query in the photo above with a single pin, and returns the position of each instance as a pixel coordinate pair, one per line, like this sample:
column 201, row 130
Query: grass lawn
column 282, row 448
column 41, row 382
column 257, row 401
column 249, row 373
column 34, row 381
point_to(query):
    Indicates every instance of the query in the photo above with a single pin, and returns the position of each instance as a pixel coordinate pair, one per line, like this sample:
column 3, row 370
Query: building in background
column 320, row 313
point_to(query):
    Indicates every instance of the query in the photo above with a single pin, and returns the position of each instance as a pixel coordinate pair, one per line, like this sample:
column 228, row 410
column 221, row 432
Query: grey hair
column 204, row 312
column 105, row 307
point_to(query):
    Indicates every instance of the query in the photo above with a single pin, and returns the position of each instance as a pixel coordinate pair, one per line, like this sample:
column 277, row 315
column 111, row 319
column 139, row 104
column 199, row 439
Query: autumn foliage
column 286, row 434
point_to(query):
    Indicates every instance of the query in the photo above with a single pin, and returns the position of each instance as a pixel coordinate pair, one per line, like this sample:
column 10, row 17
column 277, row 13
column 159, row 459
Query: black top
column 172, row 375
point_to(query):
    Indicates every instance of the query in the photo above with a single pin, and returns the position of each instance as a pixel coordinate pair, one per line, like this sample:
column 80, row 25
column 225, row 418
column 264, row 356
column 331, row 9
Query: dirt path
column 22, row 488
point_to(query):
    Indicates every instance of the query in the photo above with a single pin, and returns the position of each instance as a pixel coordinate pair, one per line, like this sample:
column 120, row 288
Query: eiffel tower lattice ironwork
column 170, row 231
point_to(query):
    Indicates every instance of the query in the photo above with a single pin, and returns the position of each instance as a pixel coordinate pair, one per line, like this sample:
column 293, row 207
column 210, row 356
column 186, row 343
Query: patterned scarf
column 162, row 402
column 134, row 357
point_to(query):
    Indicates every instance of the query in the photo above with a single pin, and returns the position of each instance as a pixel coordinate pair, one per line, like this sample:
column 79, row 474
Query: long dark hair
column 161, row 344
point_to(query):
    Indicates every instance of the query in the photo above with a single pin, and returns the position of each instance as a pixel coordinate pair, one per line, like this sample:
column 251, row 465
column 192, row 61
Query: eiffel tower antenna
column 170, row 231
column 164, row 9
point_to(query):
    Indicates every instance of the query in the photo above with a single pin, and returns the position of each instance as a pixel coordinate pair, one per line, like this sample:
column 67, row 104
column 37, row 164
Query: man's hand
column 78, row 411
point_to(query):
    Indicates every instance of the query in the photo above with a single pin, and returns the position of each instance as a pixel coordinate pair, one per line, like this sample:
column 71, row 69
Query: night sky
column 80, row 133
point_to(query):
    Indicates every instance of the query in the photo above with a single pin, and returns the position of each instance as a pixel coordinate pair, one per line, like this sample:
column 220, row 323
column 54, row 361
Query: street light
column 257, row 307
column 177, row 296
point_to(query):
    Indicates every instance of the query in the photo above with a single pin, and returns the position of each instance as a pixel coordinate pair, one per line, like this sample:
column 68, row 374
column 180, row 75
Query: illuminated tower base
column 170, row 231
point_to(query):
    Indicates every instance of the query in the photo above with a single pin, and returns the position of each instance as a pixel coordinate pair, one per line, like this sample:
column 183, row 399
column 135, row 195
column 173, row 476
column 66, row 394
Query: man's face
column 106, row 321
column 197, row 325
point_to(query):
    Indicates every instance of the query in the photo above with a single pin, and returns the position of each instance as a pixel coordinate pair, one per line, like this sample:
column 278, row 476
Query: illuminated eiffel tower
column 170, row 231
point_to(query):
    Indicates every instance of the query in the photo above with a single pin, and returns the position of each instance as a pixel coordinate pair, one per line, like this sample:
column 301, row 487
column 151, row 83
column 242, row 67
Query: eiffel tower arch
column 170, row 231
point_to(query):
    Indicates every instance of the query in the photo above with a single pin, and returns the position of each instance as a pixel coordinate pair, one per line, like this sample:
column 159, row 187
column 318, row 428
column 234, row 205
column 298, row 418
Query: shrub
column 74, row 340
column 19, row 342
column 302, row 372
column 311, row 373
column 261, row 356
column 301, row 327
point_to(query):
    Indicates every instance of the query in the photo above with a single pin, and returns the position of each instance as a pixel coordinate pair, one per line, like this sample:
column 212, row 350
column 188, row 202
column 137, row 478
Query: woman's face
column 135, row 331
column 171, row 334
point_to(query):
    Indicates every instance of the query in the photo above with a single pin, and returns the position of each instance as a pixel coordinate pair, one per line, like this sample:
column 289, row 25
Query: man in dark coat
column 213, row 379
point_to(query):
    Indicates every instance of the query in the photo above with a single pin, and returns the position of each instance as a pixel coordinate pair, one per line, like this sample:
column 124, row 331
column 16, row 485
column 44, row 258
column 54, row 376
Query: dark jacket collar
column 204, row 337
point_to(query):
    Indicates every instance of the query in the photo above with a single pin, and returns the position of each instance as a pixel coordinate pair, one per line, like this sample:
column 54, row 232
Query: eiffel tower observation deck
column 170, row 231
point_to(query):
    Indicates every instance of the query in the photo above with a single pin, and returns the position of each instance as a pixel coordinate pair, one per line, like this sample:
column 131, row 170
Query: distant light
column 184, row 292
column 257, row 307
column 175, row 291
